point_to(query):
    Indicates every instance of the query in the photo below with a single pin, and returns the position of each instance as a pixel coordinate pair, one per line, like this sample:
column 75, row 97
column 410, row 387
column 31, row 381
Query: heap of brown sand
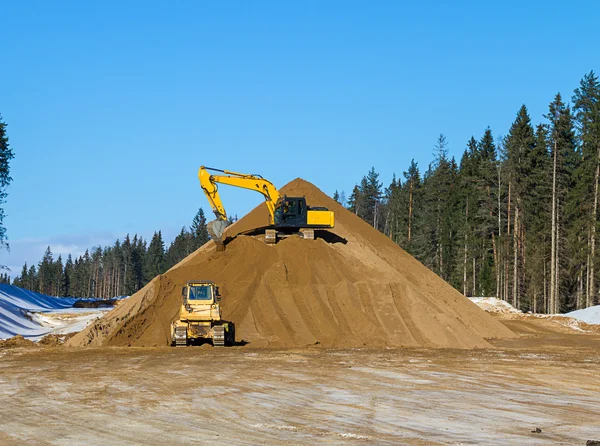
column 350, row 287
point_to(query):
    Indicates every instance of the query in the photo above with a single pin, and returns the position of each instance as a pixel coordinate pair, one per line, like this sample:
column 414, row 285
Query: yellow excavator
column 287, row 215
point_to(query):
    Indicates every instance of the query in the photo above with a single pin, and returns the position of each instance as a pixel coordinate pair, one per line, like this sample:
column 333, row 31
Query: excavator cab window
column 289, row 207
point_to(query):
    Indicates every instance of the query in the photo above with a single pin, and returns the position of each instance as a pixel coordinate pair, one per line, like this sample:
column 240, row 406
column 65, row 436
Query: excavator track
column 307, row 233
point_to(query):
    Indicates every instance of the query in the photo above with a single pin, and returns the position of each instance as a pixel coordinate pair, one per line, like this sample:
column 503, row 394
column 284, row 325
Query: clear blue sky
column 112, row 106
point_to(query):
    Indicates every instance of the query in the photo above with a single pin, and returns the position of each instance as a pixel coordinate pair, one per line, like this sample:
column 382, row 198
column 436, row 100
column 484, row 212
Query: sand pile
column 350, row 287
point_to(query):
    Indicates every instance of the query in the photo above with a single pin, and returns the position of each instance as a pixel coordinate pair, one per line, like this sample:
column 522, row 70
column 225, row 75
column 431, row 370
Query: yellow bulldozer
column 200, row 317
column 287, row 215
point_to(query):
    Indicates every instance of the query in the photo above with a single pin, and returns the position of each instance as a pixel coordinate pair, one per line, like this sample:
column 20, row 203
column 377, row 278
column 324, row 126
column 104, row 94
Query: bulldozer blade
column 216, row 229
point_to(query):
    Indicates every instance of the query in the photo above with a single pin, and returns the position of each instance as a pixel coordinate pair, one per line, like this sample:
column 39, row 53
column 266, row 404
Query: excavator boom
column 208, row 182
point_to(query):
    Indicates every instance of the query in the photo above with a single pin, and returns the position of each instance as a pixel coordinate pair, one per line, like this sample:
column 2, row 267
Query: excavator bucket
column 216, row 228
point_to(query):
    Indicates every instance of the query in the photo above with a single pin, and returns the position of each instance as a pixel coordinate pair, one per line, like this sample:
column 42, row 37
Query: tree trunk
column 557, row 267
column 410, row 208
column 587, row 269
column 591, row 288
column 497, row 256
column 544, row 283
column 465, row 251
column 474, row 283
column 507, row 254
column 553, row 242
column 515, row 296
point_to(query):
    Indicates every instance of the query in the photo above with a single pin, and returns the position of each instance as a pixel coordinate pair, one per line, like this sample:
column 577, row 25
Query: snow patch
column 282, row 427
column 494, row 305
column 354, row 436
column 590, row 315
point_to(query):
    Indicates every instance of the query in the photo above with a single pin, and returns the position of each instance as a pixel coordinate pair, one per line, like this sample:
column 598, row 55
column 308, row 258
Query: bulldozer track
column 219, row 336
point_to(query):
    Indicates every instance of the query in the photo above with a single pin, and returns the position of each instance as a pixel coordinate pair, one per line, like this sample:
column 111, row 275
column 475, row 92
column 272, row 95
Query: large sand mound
column 350, row 287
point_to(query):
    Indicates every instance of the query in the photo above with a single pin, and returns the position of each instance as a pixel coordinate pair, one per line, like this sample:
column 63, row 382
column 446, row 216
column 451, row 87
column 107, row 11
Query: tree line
column 515, row 218
column 116, row 270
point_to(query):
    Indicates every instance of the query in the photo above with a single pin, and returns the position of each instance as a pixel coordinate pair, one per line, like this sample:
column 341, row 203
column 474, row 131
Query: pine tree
column 6, row 155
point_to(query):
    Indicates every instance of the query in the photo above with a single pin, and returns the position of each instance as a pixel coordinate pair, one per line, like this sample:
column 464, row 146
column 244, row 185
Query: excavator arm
column 208, row 182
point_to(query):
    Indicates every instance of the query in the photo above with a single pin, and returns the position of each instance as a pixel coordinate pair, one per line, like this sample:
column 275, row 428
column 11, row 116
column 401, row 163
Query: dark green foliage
column 120, row 269
column 199, row 231
column 154, row 261
column 485, row 225
column 180, row 248
column 336, row 196
column 6, row 155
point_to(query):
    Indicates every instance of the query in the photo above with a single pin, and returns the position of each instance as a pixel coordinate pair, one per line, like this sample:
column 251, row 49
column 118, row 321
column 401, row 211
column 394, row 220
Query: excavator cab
column 290, row 212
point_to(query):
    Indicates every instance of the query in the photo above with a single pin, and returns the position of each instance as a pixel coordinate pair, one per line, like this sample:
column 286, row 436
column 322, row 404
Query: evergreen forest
column 516, row 217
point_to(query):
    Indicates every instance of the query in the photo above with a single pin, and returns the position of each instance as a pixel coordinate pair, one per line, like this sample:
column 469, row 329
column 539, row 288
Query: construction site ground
column 547, row 378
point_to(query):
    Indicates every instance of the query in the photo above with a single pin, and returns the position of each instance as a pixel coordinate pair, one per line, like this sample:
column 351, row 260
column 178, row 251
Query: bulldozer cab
column 200, row 293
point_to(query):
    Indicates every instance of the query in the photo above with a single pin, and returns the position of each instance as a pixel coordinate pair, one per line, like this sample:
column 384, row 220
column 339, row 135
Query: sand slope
column 350, row 287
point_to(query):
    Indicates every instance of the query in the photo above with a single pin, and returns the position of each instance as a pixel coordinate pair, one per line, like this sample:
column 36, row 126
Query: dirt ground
column 547, row 379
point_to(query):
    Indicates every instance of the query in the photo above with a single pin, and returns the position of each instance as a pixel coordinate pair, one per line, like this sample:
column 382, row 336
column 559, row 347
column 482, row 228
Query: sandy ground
column 243, row 395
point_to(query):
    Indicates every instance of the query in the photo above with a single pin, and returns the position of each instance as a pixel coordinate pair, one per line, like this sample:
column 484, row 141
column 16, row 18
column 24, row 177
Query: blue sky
column 112, row 106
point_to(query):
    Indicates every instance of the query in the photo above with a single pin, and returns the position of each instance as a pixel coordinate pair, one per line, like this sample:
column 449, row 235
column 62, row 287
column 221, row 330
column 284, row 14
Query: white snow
column 591, row 315
column 493, row 305
column 571, row 320
column 34, row 315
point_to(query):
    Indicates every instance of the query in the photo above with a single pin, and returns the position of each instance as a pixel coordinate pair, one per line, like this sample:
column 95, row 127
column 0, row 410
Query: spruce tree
column 372, row 192
column 45, row 273
column 586, row 107
column 355, row 201
column 519, row 145
column 565, row 164
column 336, row 196
column 154, row 263
column 58, row 278
column 199, row 230
column 68, row 272
column 180, row 248
column 412, row 202
column 32, row 279
column 23, row 281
